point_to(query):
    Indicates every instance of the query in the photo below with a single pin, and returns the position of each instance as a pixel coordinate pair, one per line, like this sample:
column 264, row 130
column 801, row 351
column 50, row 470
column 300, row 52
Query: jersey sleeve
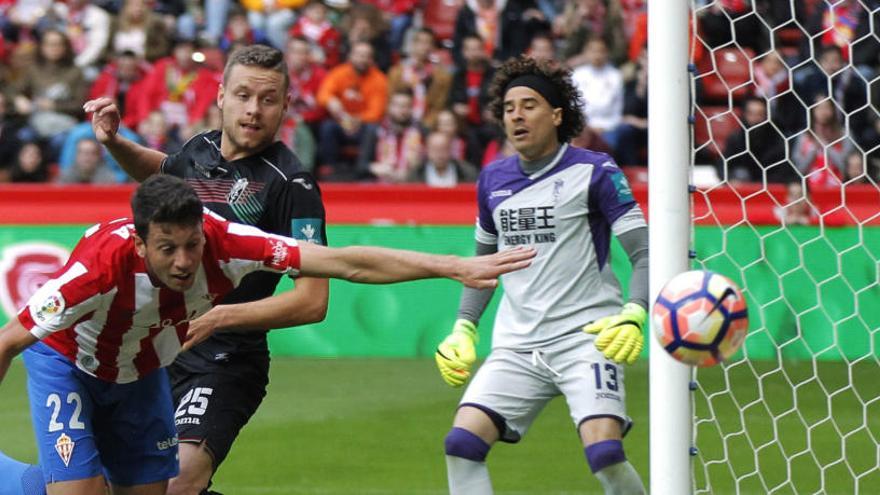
column 486, row 233
column 240, row 249
column 76, row 290
column 611, row 194
column 301, row 212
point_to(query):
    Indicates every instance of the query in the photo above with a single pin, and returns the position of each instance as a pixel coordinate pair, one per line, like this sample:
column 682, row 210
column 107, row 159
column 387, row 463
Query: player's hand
column 203, row 327
column 105, row 118
column 482, row 272
column 456, row 354
column 619, row 337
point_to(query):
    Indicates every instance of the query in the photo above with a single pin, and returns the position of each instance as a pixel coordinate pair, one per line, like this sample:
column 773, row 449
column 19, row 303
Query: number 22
column 54, row 401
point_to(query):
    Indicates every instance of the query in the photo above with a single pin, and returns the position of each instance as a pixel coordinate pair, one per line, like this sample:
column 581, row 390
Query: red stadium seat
column 712, row 125
column 731, row 69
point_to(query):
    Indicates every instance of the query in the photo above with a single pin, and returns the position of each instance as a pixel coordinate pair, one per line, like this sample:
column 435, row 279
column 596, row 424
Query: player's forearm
column 139, row 162
column 473, row 302
column 306, row 303
column 375, row 265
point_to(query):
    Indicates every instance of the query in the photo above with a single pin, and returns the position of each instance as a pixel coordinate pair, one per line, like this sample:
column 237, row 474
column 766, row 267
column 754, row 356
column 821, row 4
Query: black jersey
column 268, row 190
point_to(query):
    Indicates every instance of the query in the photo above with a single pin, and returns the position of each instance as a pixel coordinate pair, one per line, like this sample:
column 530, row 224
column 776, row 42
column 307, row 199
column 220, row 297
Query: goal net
column 785, row 143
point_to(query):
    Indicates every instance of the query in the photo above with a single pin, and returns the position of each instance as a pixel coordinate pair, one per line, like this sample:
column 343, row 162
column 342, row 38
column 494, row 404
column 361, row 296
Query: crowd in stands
column 396, row 90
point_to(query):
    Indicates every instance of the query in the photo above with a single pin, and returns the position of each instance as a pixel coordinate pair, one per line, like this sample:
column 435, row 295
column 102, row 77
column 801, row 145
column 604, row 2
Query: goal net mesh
column 785, row 148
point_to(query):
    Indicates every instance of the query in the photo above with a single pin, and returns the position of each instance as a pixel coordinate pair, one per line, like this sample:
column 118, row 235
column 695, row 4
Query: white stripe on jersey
column 48, row 289
column 87, row 333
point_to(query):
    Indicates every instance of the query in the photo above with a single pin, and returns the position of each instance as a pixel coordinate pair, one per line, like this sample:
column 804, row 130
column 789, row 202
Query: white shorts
column 516, row 385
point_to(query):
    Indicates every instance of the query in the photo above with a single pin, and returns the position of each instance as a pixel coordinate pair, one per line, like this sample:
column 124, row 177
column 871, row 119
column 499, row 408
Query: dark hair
column 69, row 55
column 258, row 56
column 573, row 121
column 403, row 90
column 164, row 199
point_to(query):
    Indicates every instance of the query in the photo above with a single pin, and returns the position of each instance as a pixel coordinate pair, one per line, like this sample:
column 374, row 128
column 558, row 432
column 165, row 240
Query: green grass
column 376, row 426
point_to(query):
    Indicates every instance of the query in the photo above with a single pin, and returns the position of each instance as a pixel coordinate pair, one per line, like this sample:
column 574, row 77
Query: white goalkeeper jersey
column 567, row 212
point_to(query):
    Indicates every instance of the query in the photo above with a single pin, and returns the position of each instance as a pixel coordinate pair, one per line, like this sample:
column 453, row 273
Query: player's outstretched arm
column 138, row 161
column 375, row 265
column 306, row 303
column 14, row 338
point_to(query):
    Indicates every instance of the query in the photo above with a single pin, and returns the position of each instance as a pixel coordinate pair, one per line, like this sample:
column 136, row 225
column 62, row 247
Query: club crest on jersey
column 24, row 268
column 64, row 446
column 307, row 229
column 237, row 193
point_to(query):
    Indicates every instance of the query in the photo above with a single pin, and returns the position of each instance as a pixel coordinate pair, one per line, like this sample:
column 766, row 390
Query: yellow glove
column 619, row 336
column 456, row 354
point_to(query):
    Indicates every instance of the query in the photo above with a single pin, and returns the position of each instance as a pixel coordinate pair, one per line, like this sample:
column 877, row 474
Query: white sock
column 621, row 479
column 467, row 477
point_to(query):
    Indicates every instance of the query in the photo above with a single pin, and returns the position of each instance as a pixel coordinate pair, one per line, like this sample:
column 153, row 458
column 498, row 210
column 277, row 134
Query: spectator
column 354, row 93
column 298, row 136
column 470, row 96
column 139, row 30
column 179, row 88
column 239, row 31
column 9, row 139
column 89, row 166
column 394, row 148
column 53, row 92
column 156, row 134
column 506, row 27
column 583, row 20
column 542, row 48
column 440, row 169
column 88, row 28
column 854, row 171
column 195, row 19
column 727, row 20
column 459, row 148
column 314, row 26
column 847, row 86
column 14, row 72
column 305, row 79
column 631, row 135
column 850, row 27
column 476, row 19
column 771, row 76
column 797, row 209
column 428, row 81
column 272, row 17
column 601, row 85
column 30, row 164
column 365, row 23
column 756, row 153
column 82, row 131
column 123, row 80
column 398, row 15
column 820, row 154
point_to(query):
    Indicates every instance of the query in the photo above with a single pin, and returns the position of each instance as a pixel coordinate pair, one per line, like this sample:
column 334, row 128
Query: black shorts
column 212, row 408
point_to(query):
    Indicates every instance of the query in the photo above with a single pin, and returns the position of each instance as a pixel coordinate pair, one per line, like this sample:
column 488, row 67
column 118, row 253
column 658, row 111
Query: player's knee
column 606, row 453
column 462, row 443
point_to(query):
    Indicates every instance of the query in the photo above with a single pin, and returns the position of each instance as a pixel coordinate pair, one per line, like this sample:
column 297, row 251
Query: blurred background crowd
column 396, row 90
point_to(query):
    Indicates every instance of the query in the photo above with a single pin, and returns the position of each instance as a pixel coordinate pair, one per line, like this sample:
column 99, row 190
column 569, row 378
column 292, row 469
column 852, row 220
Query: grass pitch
column 376, row 426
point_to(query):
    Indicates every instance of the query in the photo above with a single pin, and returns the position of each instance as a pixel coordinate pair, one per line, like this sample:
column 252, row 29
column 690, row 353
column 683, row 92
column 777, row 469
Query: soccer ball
column 700, row 318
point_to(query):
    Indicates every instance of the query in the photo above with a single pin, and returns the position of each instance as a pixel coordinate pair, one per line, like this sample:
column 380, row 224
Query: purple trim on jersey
column 504, row 178
column 462, row 443
column 606, row 453
column 607, row 202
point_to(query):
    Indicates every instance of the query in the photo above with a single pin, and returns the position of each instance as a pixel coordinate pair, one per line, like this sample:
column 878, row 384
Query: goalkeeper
column 563, row 327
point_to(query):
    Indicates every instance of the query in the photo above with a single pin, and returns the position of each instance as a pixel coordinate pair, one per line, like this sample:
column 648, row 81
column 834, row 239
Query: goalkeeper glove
column 619, row 337
column 456, row 354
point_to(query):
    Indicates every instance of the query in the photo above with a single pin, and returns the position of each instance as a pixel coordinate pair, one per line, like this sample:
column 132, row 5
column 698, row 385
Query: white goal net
column 786, row 142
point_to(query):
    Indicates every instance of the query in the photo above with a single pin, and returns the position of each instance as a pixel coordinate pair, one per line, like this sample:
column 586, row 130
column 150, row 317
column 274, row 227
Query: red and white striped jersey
column 104, row 313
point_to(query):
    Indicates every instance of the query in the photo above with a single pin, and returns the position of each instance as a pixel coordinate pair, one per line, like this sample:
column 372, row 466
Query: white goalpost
column 797, row 410
column 669, row 233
